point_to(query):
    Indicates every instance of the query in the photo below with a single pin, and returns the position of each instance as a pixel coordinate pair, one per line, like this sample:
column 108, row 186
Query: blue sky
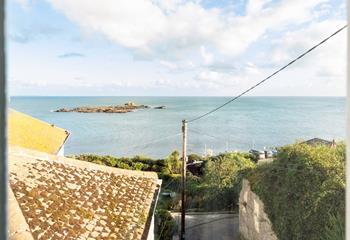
column 173, row 47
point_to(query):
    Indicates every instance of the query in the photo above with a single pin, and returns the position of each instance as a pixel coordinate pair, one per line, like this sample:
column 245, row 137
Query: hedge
column 303, row 190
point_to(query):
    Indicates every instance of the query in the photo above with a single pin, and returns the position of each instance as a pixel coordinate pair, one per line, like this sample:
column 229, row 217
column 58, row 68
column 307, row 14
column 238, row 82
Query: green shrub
column 166, row 225
column 135, row 163
column 220, row 186
column 336, row 228
column 302, row 189
column 173, row 163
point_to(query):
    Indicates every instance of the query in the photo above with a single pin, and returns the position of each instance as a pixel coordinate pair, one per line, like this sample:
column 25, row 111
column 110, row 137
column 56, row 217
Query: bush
column 173, row 163
column 135, row 163
column 336, row 228
column 308, row 186
column 219, row 189
column 166, row 225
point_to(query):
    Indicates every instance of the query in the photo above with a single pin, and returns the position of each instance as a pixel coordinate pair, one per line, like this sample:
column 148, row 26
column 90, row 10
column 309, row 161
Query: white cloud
column 295, row 42
column 210, row 76
column 203, row 48
column 149, row 26
column 23, row 3
column 168, row 5
column 169, row 65
column 207, row 57
column 327, row 63
column 131, row 23
column 242, row 77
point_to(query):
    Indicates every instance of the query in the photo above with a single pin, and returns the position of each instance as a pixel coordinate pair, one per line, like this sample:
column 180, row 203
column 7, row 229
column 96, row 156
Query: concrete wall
column 253, row 221
column 150, row 235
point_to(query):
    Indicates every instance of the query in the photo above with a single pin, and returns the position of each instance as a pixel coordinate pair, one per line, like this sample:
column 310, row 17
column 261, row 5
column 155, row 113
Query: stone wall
column 254, row 224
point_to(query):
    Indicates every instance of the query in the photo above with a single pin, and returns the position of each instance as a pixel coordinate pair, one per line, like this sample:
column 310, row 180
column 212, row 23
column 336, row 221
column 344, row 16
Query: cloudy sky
column 174, row 47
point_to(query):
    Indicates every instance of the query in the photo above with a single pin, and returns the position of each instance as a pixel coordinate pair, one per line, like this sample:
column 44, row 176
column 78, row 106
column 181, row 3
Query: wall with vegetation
column 303, row 191
column 254, row 223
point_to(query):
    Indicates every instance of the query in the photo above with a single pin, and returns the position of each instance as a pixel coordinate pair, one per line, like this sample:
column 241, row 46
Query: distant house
column 319, row 141
column 52, row 197
column 28, row 132
column 196, row 168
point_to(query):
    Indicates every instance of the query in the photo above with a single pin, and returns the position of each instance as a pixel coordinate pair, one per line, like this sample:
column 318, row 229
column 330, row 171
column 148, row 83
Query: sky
column 174, row 47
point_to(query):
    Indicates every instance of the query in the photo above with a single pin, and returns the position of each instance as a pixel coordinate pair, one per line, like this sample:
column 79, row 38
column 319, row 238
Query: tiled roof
column 28, row 132
column 318, row 141
column 62, row 198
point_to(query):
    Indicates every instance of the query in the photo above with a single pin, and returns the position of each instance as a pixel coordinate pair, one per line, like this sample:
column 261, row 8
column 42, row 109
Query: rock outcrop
column 160, row 107
column 127, row 107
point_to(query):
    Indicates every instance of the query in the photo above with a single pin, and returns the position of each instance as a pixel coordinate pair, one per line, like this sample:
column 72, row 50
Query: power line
column 170, row 182
column 204, row 134
column 273, row 74
column 145, row 145
column 229, row 140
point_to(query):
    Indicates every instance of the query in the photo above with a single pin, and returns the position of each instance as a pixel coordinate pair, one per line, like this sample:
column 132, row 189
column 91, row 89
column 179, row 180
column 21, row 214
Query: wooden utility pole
column 183, row 179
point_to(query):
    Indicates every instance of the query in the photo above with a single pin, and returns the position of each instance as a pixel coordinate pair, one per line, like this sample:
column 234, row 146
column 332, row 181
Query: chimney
column 333, row 144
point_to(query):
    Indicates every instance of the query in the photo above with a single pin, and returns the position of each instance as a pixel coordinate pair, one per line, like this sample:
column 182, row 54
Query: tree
column 173, row 163
column 224, row 170
column 222, row 181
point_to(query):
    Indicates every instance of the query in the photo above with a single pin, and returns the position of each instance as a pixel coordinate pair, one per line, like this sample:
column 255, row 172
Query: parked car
column 258, row 154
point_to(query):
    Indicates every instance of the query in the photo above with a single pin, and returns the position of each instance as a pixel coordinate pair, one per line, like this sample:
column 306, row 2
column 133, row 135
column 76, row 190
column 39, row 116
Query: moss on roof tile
column 28, row 132
column 80, row 201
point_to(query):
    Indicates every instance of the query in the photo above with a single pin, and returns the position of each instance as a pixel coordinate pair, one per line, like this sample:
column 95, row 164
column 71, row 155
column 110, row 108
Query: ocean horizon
column 250, row 122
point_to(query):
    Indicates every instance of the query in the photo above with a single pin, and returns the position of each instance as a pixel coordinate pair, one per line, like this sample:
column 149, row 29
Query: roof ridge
column 36, row 155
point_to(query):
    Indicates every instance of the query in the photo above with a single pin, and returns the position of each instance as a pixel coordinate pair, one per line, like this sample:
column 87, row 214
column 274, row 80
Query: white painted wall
column 61, row 152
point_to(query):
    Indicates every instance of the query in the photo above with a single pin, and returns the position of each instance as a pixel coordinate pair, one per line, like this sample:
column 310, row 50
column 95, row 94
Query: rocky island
column 127, row 107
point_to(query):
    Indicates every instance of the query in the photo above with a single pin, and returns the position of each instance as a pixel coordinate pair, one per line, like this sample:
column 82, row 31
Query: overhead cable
column 270, row 76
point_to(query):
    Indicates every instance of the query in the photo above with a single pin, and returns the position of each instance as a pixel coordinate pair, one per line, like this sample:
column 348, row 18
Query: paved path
column 211, row 226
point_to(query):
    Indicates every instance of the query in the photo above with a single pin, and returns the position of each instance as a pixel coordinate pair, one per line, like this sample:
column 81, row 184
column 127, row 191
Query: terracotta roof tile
column 66, row 198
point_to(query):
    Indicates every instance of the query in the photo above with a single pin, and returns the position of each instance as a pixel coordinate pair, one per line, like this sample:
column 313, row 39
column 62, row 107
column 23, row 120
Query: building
column 196, row 168
column 52, row 197
column 319, row 141
column 28, row 132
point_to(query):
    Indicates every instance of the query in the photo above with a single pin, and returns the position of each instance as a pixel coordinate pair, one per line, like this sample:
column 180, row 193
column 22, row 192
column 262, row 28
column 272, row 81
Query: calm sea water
column 251, row 122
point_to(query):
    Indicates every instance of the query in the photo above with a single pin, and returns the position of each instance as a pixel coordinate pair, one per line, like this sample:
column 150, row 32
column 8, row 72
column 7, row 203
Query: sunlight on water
column 249, row 122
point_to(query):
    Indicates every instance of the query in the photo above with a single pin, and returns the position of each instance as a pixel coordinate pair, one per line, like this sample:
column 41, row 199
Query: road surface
column 210, row 226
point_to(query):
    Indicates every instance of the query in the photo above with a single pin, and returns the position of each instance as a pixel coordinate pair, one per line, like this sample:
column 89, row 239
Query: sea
column 247, row 123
